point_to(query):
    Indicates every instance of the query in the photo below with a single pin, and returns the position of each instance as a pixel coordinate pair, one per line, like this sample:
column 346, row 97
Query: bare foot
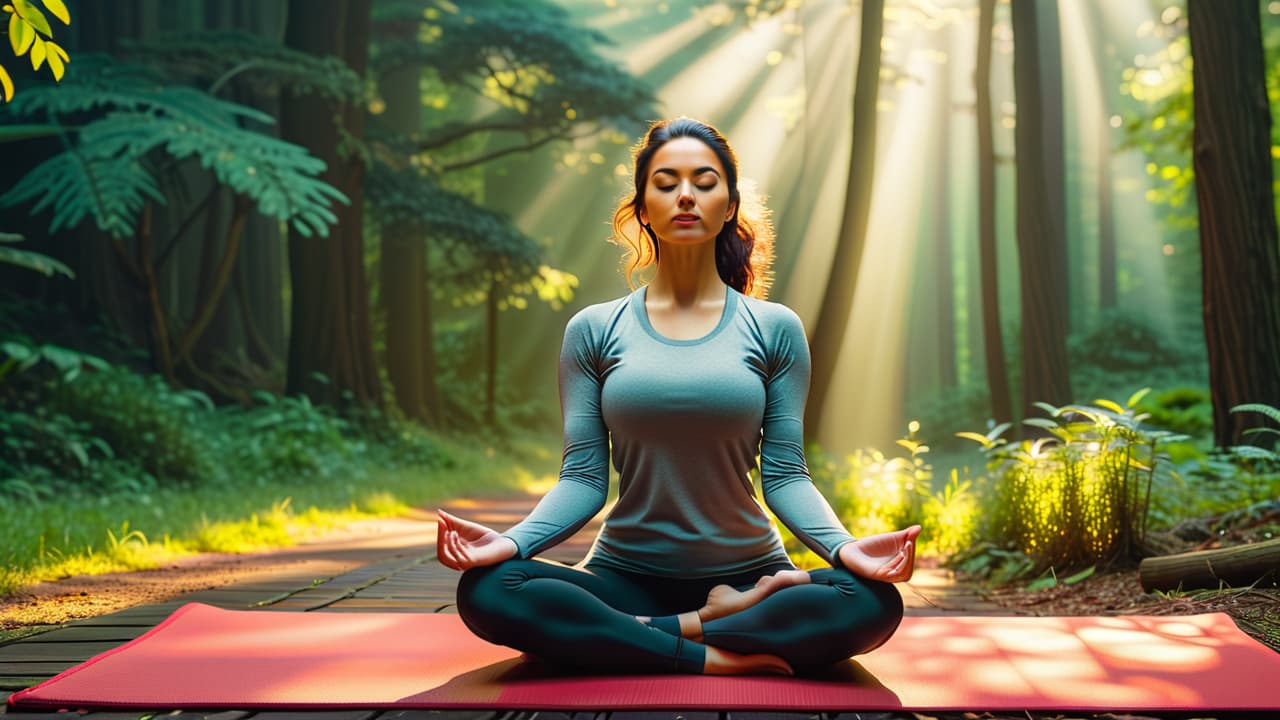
column 724, row 662
column 724, row 600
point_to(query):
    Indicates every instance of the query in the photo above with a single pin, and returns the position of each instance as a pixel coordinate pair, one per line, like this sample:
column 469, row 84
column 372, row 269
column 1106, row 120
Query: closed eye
column 669, row 188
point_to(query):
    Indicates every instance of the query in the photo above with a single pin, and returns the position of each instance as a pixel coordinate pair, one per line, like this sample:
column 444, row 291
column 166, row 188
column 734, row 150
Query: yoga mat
column 204, row 657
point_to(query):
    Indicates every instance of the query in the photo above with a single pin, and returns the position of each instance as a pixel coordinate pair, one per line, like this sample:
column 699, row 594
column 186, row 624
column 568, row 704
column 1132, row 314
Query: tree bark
column 992, row 333
column 1240, row 259
column 330, row 332
column 944, row 268
column 1106, row 221
column 1235, row 566
column 405, row 290
column 837, row 299
column 1042, row 256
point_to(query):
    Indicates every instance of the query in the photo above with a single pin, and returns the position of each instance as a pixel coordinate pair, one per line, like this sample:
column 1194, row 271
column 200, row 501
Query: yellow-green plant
column 950, row 518
column 1081, row 495
column 30, row 34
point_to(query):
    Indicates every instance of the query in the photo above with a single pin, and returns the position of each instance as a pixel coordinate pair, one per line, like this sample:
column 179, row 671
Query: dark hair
column 744, row 247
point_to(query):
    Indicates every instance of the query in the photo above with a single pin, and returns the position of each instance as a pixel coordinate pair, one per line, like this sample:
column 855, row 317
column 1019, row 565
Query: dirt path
column 81, row 596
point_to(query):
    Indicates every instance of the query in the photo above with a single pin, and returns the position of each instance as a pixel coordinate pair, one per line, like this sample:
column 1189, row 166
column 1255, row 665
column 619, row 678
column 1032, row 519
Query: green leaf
column 33, row 15
column 1041, row 423
column 17, row 351
column 1267, row 410
column 1051, row 410
column 1082, row 575
column 1042, row 583
column 42, row 264
column 21, row 34
column 1136, row 398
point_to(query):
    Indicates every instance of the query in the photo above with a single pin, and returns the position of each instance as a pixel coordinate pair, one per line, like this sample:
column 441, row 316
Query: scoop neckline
column 730, row 303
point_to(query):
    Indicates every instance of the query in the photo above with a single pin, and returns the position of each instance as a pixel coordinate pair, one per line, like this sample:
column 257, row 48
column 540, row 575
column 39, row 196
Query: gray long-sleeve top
column 687, row 419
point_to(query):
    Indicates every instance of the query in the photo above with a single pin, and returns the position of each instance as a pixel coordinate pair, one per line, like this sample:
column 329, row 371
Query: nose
column 685, row 198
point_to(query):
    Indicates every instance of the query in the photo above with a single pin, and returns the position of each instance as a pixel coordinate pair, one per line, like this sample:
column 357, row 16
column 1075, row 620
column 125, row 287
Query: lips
column 686, row 218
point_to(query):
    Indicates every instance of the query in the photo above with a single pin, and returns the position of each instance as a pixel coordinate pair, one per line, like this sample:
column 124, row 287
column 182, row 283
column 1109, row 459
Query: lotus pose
column 682, row 383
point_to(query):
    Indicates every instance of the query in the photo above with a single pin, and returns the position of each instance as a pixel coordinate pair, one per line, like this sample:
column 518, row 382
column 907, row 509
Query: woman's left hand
column 889, row 557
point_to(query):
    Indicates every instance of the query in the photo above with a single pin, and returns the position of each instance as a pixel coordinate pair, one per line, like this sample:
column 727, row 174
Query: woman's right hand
column 462, row 544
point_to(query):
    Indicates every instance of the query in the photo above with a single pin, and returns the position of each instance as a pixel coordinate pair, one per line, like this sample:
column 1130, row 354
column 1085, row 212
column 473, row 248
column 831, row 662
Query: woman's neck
column 687, row 276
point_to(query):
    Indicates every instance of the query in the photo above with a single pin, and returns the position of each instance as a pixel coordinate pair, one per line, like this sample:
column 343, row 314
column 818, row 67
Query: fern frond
column 112, row 190
column 217, row 57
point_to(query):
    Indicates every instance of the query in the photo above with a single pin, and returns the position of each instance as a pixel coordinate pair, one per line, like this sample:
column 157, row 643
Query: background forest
column 275, row 264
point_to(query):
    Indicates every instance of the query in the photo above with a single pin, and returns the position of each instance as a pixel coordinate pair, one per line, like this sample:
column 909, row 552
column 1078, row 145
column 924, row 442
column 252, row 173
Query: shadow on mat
column 524, row 680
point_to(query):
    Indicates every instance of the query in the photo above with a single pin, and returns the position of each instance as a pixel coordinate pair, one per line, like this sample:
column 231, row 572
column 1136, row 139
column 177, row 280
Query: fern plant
column 109, row 174
column 28, row 259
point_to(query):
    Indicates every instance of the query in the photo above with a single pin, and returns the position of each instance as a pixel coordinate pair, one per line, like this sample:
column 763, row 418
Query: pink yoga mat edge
column 531, row 691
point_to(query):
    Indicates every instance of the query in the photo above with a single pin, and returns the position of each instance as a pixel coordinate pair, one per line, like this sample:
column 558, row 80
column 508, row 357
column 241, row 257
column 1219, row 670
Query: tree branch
column 458, row 165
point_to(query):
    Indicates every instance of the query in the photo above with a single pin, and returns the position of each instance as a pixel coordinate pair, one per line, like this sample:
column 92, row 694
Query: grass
column 96, row 534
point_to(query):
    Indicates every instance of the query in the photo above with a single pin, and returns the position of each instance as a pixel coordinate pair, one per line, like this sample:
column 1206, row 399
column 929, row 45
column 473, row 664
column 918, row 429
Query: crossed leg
column 587, row 618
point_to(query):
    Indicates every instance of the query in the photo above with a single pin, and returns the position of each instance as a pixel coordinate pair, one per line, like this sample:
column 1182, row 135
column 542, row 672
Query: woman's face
column 686, row 198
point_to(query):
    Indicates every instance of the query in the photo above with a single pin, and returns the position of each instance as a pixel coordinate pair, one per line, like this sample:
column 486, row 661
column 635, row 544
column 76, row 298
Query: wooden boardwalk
column 399, row 582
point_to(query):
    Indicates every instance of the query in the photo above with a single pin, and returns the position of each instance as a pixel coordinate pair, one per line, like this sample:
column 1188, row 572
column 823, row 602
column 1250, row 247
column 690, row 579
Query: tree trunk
column 405, row 291
column 837, row 299
column 1106, row 221
column 1042, row 256
column 1235, row 566
column 491, row 353
column 1238, row 250
column 944, row 269
column 992, row 333
column 330, row 332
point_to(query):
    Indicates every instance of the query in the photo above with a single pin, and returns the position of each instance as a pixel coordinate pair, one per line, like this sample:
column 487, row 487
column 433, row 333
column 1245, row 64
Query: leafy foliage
column 220, row 57
column 109, row 174
column 1080, row 496
column 27, row 24
column 526, row 57
column 30, row 260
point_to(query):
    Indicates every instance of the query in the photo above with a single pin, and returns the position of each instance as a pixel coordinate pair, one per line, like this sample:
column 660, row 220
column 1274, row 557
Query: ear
column 733, row 208
column 641, row 216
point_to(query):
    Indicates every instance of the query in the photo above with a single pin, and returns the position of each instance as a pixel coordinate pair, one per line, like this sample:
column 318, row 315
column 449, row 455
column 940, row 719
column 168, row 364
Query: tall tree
column 944, row 270
column 1239, row 256
column 330, row 331
column 1042, row 253
column 404, row 290
column 992, row 334
column 828, row 332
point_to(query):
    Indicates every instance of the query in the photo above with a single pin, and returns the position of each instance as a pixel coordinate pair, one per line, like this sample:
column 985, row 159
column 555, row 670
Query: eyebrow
column 699, row 171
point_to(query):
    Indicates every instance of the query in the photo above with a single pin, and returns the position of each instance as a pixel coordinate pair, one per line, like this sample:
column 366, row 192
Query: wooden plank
column 664, row 715
column 35, row 668
column 440, row 715
column 43, row 652
column 14, row 683
column 317, row 715
column 88, row 633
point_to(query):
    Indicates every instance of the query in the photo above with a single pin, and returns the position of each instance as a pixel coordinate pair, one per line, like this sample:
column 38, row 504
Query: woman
column 690, row 377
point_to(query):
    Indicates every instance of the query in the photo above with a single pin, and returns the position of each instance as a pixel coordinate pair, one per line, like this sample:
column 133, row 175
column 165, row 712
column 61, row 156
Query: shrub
column 1080, row 496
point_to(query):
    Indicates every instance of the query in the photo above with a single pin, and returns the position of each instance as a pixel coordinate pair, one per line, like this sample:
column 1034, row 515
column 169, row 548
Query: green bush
column 1187, row 410
column 1081, row 495
column 146, row 422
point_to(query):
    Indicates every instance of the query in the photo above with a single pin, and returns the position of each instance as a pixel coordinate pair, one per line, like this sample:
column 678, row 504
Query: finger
column 447, row 551
column 463, row 553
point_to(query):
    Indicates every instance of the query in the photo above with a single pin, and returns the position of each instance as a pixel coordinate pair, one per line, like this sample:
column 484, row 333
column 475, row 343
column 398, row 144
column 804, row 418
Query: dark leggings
column 585, row 617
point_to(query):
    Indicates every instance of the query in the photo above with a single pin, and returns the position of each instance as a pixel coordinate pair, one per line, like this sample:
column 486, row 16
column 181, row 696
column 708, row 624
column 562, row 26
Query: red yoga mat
column 204, row 657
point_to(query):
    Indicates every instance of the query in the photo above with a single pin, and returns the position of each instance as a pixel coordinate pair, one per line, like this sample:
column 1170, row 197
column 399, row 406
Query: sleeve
column 788, row 489
column 584, row 471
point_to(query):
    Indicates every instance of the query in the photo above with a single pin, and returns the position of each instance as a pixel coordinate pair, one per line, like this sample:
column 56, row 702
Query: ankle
column 690, row 626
